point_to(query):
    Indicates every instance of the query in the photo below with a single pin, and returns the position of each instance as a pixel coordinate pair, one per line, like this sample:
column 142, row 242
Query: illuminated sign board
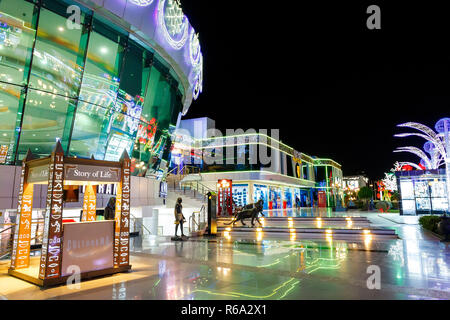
column 91, row 173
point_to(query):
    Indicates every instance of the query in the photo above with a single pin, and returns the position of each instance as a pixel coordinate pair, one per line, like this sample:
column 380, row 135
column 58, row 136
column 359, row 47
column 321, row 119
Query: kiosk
column 90, row 248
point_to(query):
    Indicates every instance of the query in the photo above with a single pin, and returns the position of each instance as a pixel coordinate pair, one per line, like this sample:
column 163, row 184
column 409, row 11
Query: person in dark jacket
column 179, row 218
column 110, row 210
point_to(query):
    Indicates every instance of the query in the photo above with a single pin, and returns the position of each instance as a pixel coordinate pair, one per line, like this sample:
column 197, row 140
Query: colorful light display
column 438, row 145
column 173, row 23
column 142, row 3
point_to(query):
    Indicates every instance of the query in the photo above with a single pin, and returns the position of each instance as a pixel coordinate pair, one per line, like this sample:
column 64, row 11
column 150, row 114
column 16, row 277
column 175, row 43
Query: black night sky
column 333, row 88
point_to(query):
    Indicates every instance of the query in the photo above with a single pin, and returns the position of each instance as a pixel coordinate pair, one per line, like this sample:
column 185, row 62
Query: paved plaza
column 414, row 267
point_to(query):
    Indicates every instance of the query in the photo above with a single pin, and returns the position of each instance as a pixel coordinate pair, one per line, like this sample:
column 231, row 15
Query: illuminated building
column 290, row 179
column 96, row 85
column 354, row 183
column 101, row 77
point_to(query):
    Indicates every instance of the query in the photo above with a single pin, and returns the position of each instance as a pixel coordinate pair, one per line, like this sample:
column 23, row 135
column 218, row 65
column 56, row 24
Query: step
column 307, row 236
column 303, row 219
column 323, row 231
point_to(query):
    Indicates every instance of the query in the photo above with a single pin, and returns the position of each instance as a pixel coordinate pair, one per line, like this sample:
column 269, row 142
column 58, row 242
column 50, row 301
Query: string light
column 173, row 23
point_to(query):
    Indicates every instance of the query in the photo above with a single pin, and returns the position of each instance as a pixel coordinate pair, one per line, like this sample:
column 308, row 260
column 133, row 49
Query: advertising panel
column 88, row 245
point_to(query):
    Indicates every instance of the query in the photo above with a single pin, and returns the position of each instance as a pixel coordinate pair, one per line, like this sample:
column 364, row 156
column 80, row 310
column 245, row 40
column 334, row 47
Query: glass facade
column 91, row 86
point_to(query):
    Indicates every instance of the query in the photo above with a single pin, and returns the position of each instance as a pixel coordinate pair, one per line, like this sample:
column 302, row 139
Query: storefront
column 422, row 192
column 275, row 196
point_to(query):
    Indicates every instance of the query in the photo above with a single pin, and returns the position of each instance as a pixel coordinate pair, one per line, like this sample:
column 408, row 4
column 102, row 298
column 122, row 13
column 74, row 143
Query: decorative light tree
column 437, row 145
column 390, row 181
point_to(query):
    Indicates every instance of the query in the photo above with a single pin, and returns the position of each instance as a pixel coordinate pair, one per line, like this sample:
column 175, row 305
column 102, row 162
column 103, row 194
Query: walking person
column 179, row 218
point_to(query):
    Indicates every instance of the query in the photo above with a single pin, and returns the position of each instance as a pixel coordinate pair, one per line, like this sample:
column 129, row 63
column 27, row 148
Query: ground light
column 367, row 239
column 226, row 234
column 259, row 234
column 319, row 222
column 292, row 234
column 349, row 222
column 329, row 235
column 290, row 222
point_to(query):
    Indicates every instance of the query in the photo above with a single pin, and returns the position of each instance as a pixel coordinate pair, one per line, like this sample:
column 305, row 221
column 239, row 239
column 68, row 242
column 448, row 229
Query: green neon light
column 244, row 144
column 260, row 171
column 311, row 161
column 238, row 294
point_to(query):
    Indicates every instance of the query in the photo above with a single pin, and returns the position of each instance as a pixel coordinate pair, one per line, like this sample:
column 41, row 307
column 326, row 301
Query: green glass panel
column 16, row 40
column 101, row 75
column 131, row 78
column 158, row 99
column 58, row 56
column 10, row 116
column 45, row 121
column 103, row 132
column 90, row 128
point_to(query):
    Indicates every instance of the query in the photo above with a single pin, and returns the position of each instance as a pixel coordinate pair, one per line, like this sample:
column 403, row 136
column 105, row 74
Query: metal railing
column 198, row 220
column 37, row 239
column 5, row 250
column 141, row 223
column 180, row 172
column 196, row 188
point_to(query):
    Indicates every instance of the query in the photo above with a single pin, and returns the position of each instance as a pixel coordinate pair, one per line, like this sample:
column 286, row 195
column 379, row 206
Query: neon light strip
column 260, row 171
column 269, row 138
column 243, row 144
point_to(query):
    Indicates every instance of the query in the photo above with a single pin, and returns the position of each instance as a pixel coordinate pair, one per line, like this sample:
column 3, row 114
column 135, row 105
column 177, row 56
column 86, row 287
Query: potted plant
column 444, row 226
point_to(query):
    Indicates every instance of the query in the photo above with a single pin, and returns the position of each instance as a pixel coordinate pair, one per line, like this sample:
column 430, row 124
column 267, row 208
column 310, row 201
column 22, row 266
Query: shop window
column 291, row 166
column 240, row 194
column 261, row 192
column 47, row 117
column 320, row 175
column 58, row 56
column 17, row 32
column 305, row 171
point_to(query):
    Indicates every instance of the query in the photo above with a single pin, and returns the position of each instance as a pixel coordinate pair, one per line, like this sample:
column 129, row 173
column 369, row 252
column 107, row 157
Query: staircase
column 187, row 185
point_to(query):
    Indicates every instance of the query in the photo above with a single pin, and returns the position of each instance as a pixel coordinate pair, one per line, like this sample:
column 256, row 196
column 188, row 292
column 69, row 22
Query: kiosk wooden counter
column 92, row 248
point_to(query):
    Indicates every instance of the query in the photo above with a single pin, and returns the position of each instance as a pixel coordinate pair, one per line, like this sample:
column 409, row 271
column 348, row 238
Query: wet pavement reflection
column 413, row 267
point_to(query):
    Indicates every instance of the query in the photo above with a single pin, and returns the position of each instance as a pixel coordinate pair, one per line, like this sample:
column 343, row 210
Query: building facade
column 101, row 76
column 260, row 167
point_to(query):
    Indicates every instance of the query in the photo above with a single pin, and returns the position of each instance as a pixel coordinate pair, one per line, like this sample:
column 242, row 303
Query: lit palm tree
column 437, row 145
